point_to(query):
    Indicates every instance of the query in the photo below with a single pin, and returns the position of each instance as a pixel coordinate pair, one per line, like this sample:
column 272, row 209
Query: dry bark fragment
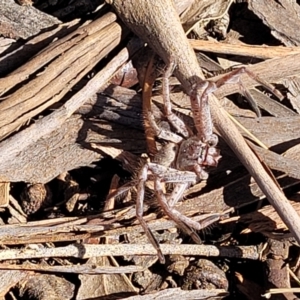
column 60, row 151
column 286, row 127
column 20, row 52
column 14, row 147
column 276, row 268
column 277, row 162
column 59, row 76
column 4, row 193
column 90, row 269
column 47, row 287
column 53, row 50
column 67, row 148
column 293, row 85
column 282, row 17
column 22, row 21
column 101, row 285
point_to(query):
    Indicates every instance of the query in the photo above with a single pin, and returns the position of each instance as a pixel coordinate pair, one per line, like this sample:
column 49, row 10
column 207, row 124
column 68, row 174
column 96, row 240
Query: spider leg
column 122, row 190
column 159, row 173
column 201, row 111
column 177, row 123
column 160, row 132
column 184, row 223
column 167, row 174
column 179, row 218
column 177, row 193
column 245, row 92
column 199, row 102
column 172, row 213
column 234, row 77
column 143, row 175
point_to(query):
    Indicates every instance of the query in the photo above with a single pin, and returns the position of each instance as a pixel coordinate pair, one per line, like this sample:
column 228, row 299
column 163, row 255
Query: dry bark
column 107, row 283
column 15, row 146
column 74, row 59
column 15, row 53
column 263, row 52
column 46, row 287
column 23, row 22
column 274, row 15
column 75, row 269
column 276, row 268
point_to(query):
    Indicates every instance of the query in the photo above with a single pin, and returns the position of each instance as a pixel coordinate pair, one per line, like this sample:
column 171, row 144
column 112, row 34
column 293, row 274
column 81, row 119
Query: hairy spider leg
column 177, row 123
column 235, row 77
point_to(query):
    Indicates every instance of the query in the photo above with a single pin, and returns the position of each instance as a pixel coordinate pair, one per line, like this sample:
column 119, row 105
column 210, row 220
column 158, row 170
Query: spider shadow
column 113, row 118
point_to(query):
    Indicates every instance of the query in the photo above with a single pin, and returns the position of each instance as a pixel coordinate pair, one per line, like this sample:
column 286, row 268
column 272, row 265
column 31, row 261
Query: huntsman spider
column 186, row 157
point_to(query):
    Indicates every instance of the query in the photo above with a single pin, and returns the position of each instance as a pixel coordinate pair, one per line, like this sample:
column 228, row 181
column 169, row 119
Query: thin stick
column 252, row 136
column 263, row 52
column 75, row 269
column 88, row 250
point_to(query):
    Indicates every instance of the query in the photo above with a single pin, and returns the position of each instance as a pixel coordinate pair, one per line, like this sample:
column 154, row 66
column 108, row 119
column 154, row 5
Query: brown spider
column 186, row 157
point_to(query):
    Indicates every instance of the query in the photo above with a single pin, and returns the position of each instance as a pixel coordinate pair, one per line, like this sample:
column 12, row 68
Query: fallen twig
column 178, row 293
column 263, row 52
column 76, row 269
column 88, row 250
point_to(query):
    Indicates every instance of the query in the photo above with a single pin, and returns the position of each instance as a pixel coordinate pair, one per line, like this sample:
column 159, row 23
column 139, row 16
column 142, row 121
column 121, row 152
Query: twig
column 263, row 52
column 271, row 292
column 76, row 269
column 87, row 250
column 178, row 293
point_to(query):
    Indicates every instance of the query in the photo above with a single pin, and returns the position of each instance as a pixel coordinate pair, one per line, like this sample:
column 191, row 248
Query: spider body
column 195, row 155
column 186, row 157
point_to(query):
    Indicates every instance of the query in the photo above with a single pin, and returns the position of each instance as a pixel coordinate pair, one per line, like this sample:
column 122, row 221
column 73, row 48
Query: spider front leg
column 186, row 224
column 143, row 176
column 159, row 173
column 199, row 100
column 201, row 112
column 234, row 77
column 177, row 123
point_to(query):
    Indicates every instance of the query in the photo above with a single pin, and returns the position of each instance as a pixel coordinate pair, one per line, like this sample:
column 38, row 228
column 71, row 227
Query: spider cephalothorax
column 195, row 156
